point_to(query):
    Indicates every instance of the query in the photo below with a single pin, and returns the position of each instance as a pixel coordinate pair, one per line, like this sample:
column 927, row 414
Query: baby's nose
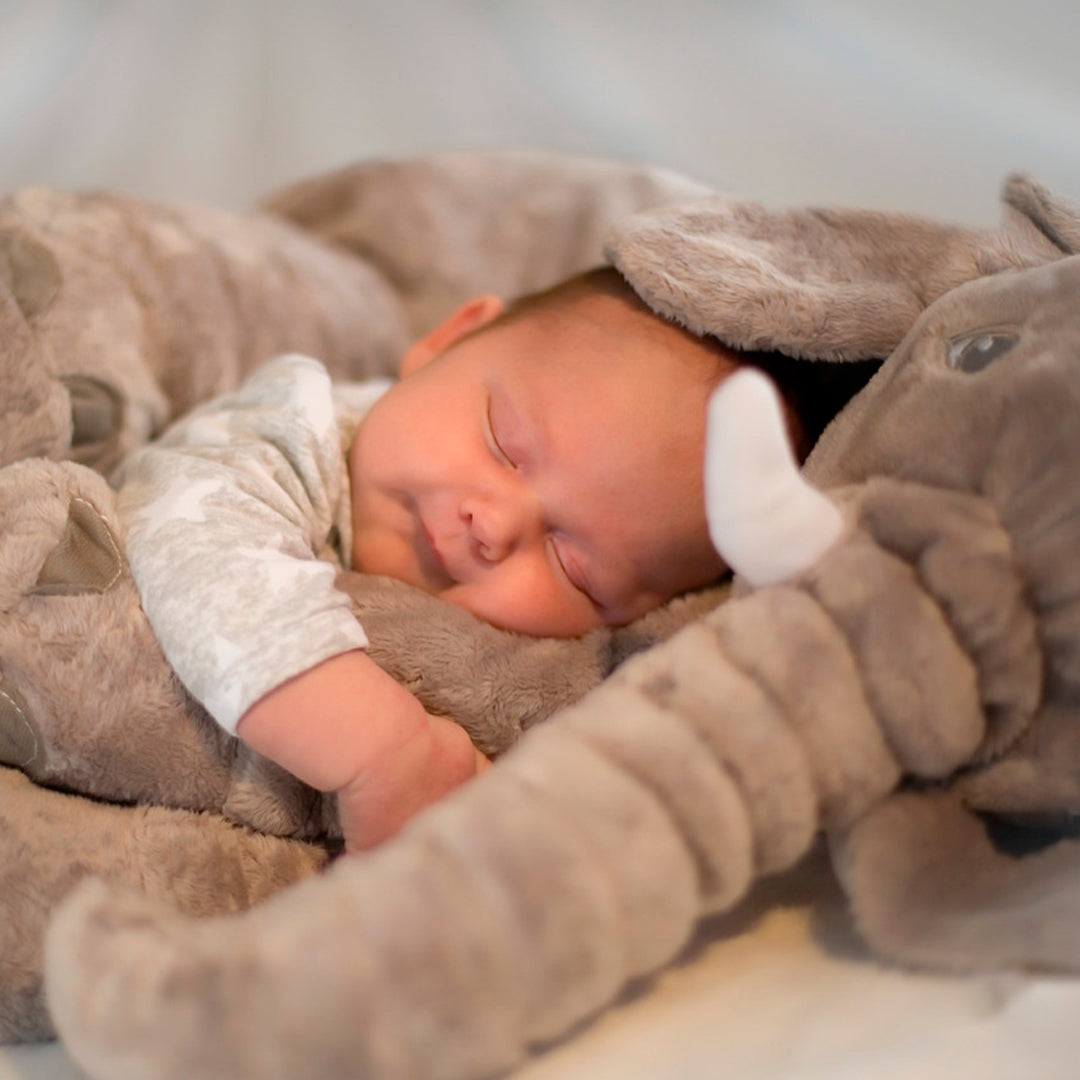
column 499, row 525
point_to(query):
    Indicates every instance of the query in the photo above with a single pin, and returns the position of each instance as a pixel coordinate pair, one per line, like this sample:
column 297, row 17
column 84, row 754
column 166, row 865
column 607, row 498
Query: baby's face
column 546, row 477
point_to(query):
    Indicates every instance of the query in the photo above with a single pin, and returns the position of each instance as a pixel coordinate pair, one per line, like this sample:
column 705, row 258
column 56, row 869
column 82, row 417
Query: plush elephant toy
column 88, row 704
column 115, row 315
column 898, row 669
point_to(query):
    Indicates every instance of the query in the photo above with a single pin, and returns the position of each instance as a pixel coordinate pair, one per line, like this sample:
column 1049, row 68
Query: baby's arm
column 224, row 517
column 364, row 737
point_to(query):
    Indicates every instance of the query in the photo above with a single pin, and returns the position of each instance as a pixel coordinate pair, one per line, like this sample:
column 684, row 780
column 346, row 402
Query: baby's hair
column 606, row 281
column 599, row 281
column 813, row 391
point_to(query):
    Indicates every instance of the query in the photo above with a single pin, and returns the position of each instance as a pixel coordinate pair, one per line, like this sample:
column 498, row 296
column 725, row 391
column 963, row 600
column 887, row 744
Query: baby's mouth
column 430, row 559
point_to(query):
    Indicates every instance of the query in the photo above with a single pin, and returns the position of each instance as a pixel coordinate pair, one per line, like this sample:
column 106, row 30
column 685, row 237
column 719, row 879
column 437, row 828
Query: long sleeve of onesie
column 226, row 517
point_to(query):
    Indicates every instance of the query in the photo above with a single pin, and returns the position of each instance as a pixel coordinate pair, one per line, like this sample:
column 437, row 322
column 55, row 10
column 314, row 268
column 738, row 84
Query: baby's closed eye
column 491, row 437
column 511, row 433
column 570, row 568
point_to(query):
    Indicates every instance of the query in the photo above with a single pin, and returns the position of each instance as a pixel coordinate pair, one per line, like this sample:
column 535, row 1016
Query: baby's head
column 542, row 465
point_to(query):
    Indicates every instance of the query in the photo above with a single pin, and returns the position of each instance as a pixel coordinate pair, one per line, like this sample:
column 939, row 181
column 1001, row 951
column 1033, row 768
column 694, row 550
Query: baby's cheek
column 530, row 603
column 380, row 552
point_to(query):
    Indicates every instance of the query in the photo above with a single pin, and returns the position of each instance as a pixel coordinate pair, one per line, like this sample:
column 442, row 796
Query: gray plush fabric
column 451, row 226
column 819, row 284
column 922, row 668
column 117, row 313
column 197, row 863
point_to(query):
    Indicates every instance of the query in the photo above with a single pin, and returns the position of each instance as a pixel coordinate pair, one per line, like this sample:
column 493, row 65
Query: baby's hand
column 347, row 727
column 430, row 764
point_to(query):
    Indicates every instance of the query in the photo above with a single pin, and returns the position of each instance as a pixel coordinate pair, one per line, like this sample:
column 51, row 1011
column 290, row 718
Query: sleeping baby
column 539, row 465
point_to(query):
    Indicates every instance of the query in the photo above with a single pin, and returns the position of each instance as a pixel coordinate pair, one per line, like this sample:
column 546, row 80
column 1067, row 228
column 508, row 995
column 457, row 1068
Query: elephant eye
column 973, row 352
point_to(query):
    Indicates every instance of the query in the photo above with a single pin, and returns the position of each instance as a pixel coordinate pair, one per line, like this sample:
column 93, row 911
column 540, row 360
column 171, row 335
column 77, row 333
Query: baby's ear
column 472, row 315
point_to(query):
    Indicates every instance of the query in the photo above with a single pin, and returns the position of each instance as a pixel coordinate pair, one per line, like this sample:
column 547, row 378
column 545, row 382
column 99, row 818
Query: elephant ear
column 32, row 276
column 35, row 411
column 820, row 283
column 1032, row 204
column 86, row 558
column 29, row 270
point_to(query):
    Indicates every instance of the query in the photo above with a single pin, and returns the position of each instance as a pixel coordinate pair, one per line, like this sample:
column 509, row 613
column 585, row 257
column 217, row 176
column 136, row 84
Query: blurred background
column 919, row 105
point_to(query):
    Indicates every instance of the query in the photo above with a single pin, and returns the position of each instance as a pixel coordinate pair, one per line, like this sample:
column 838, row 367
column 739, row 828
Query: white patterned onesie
column 237, row 521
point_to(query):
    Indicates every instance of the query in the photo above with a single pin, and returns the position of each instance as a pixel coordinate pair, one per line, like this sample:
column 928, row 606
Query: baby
column 540, row 466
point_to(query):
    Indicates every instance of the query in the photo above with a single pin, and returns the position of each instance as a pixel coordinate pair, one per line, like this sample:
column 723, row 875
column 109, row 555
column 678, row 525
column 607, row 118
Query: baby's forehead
column 598, row 337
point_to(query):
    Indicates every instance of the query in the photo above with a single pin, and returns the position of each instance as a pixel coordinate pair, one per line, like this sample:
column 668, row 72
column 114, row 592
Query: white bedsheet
column 782, row 990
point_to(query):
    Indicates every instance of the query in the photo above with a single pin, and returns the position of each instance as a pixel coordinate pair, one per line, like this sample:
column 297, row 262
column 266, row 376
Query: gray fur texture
column 921, row 673
column 915, row 684
column 115, row 315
